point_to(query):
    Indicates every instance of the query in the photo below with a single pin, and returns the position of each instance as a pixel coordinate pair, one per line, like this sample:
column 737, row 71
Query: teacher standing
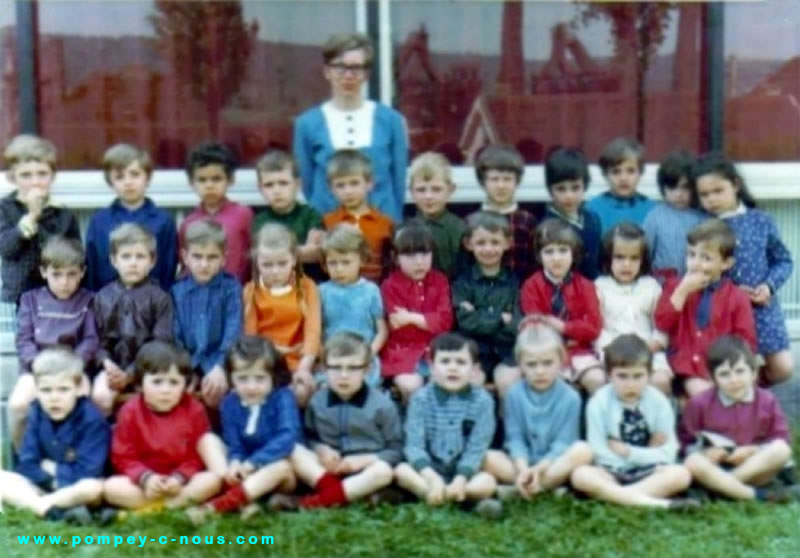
column 349, row 121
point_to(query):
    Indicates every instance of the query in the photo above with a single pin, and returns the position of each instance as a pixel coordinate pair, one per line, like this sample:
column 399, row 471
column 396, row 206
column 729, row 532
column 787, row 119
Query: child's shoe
column 489, row 508
column 78, row 515
column 508, row 493
column 199, row 514
column 683, row 504
column 250, row 510
column 106, row 515
column 283, row 502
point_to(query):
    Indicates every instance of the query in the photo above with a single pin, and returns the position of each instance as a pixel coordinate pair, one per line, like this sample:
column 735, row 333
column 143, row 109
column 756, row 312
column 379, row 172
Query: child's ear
column 728, row 263
column 370, row 184
column 43, row 271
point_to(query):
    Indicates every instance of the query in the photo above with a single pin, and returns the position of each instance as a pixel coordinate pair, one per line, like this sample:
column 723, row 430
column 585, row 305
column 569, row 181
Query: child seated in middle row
column 418, row 306
column 65, row 445
column 486, row 295
column 628, row 297
column 351, row 302
column 260, row 427
column 736, row 434
column 162, row 443
column 702, row 305
column 58, row 314
column 449, row 426
column 355, row 432
column 541, row 415
column 208, row 307
column 282, row 304
column 129, row 312
column 565, row 300
column 630, row 427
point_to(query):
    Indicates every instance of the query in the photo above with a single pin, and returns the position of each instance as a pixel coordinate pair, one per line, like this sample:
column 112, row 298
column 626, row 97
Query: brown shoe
column 283, row 502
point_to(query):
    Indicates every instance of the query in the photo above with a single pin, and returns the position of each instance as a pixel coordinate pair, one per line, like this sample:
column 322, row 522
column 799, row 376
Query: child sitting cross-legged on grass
column 260, row 426
column 355, row 433
column 162, row 442
column 542, row 415
column 630, row 427
column 64, row 446
column 735, row 433
column 449, row 426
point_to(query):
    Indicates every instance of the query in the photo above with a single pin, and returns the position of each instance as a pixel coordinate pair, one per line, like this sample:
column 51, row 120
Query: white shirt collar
column 728, row 402
column 741, row 209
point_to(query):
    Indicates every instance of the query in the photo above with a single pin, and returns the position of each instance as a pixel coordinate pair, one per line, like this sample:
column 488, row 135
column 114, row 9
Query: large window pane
column 9, row 111
column 762, row 106
column 167, row 75
column 537, row 74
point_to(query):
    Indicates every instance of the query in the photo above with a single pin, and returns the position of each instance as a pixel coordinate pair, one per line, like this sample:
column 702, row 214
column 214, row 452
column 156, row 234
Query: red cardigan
column 731, row 314
column 408, row 344
column 148, row 442
column 583, row 323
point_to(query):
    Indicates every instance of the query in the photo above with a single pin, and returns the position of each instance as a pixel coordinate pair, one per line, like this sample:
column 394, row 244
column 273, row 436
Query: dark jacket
column 20, row 255
column 129, row 318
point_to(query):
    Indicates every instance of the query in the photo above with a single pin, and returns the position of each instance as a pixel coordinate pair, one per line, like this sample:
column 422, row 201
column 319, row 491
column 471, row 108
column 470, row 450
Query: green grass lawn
column 563, row 527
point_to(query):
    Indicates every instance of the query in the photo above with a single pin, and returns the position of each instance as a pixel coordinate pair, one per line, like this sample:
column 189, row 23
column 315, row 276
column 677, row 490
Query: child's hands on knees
column 456, row 491
column 154, row 486
column 619, row 447
column 741, row 454
column 716, row 455
column 172, row 485
column 436, row 487
column 214, row 386
column 354, row 463
column 657, row 439
column 328, row 457
column 235, row 473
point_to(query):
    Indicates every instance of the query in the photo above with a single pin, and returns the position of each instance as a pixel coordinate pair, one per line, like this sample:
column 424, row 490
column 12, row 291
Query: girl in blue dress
column 763, row 263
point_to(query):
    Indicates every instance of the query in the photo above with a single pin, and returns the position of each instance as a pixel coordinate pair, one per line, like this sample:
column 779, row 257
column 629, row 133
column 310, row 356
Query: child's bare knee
column 582, row 478
column 779, row 450
column 697, row 463
column 679, row 477
column 580, row 453
column 382, row 473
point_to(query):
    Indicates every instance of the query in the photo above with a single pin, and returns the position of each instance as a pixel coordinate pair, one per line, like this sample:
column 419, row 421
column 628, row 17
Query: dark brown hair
column 717, row 232
column 499, row 158
column 628, row 350
column 619, row 149
column 630, row 232
column 451, row 341
column 250, row 349
column 157, row 357
column 556, row 231
column 729, row 349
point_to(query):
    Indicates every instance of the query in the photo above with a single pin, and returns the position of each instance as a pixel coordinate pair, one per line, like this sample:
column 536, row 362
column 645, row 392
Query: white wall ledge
column 169, row 188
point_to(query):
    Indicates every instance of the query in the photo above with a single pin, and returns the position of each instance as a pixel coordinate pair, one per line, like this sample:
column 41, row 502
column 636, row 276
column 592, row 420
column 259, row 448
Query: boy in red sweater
column 565, row 300
column 162, row 443
column 752, row 439
column 702, row 305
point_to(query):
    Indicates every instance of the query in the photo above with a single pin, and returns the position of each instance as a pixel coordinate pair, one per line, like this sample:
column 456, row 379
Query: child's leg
column 267, row 479
column 19, row 401
column 369, row 480
column 558, row 473
column 102, row 394
column 408, row 384
column 481, row 486
column 760, row 468
column 408, row 478
column 504, row 377
column 500, row 466
column 599, row 483
column 306, row 465
column 86, row 491
column 212, row 452
column 19, row 492
column 665, row 481
column 712, row 476
column 121, row 492
column 693, row 386
column 200, row 488
column 779, row 366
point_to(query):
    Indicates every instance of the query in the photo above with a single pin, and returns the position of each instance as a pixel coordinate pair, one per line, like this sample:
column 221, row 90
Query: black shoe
column 283, row 502
column 55, row 514
column 79, row 515
column 389, row 495
column 683, row 504
column 106, row 515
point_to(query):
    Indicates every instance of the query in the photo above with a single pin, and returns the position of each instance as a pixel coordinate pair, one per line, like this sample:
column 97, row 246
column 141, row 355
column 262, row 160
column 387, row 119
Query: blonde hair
column 61, row 252
column 28, row 147
column 205, row 231
column 131, row 233
column 119, row 156
column 58, row 360
column 538, row 336
column 430, row 165
column 346, row 238
column 278, row 237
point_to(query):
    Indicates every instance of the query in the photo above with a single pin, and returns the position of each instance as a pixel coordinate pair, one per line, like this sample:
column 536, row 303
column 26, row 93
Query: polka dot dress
column 761, row 257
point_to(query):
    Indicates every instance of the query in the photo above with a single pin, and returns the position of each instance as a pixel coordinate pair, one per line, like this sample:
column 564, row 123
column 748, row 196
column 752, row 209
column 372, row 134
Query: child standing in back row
column 622, row 163
column 762, row 263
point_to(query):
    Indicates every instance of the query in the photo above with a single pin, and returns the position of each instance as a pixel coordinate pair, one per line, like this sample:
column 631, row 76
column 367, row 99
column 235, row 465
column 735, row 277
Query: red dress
column 145, row 441
column 408, row 344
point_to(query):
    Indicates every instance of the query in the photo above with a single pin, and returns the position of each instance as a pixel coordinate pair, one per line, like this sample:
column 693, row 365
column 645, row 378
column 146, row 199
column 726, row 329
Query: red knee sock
column 329, row 492
column 230, row 500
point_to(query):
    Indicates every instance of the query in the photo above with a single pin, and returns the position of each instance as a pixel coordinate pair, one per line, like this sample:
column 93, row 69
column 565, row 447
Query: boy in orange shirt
column 350, row 179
